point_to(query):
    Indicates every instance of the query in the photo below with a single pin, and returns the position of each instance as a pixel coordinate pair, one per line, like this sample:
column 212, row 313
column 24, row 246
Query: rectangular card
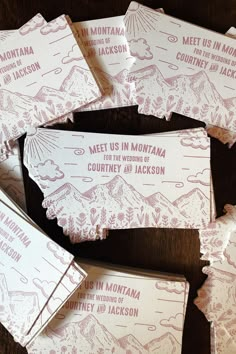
column 11, row 178
column 180, row 67
column 120, row 181
column 188, row 134
column 68, row 284
column 106, row 49
column 118, row 311
column 107, row 52
column 28, row 277
column 45, row 76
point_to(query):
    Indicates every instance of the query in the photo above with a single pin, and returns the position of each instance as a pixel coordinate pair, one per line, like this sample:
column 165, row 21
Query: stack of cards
column 93, row 182
column 43, row 76
column 224, row 135
column 37, row 276
column 216, row 299
column 181, row 68
column 119, row 311
column 214, row 239
column 107, row 52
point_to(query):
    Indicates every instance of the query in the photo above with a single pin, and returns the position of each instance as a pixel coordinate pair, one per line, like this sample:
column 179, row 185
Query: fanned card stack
column 180, row 67
column 94, row 182
column 119, row 310
column 37, row 276
column 44, row 77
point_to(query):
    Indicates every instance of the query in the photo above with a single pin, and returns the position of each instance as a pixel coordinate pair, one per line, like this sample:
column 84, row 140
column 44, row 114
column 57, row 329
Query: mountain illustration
column 230, row 103
column 117, row 194
column 68, row 193
column 132, row 345
column 119, row 78
column 192, row 95
column 18, row 308
column 77, row 89
column 117, row 90
column 199, row 205
column 154, row 76
column 117, row 204
column 48, row 93
column 78, row 82
column 14, row 102
column 197, row 89
column 166, row 344
column 98, row 335
column 92, row 337
column 157, row 200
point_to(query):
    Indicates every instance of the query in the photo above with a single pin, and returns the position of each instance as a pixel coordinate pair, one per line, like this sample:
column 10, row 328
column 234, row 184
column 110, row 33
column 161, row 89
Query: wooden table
column 167, row 250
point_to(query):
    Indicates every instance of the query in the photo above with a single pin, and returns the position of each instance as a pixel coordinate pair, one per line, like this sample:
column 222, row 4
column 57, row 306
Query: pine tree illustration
column 6, row 132
column 27, row 118
column 129, row 215
column 179, row 105
column 103, row 216
column 164, row 220
column 112, row 220
column 147, row 220
column 204, row 110
column 71, row 226
column 147, row 105
column 15, row 131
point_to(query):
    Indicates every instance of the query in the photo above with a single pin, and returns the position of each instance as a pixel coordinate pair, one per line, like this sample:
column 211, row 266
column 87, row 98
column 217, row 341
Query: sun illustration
column 40, row 143
column 139, row 18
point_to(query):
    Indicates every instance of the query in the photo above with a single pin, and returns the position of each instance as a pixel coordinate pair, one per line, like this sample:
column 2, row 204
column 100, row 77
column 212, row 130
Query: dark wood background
column 167, row 250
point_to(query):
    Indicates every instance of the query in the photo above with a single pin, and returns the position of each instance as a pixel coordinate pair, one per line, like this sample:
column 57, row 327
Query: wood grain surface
column 169, row 250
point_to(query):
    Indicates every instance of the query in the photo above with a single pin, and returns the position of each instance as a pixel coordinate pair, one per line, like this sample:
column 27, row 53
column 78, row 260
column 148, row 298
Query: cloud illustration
column 75, row 275
column 54, row 304
column 63, row 256
column 175, row 322
column 201, row 177
column 56, row 25
column 74, row 54
column 36, row 22
column 46, row 287
column 139, row 48
column 171, row 287
column 196, row 143
column 48, row 170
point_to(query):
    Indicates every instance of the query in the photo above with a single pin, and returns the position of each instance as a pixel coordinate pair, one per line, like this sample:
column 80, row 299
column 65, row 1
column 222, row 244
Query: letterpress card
column 116, row 311
column 180, row 67
column 107, row 52
column 43, row 76
column 37, row 275
column 120, row 181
